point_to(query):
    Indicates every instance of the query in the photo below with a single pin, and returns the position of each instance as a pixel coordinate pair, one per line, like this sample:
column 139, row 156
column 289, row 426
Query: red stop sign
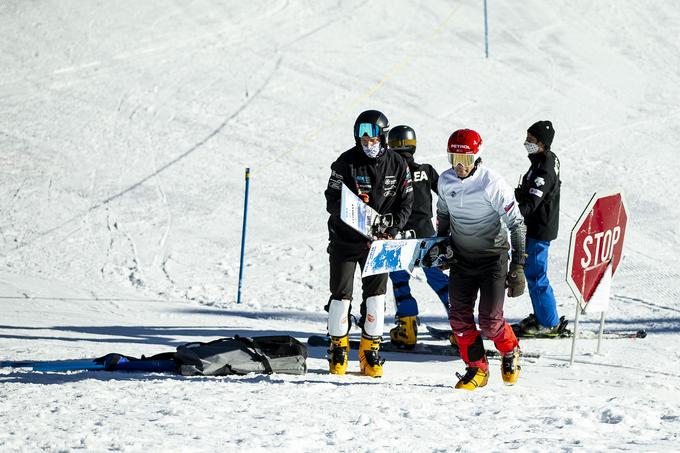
column 596, row 240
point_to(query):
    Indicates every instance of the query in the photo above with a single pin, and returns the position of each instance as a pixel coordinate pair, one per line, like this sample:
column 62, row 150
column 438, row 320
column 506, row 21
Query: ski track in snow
column 124, row 132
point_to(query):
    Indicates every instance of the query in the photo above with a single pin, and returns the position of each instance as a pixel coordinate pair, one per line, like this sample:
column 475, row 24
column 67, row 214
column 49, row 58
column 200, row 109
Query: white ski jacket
column 470, row 211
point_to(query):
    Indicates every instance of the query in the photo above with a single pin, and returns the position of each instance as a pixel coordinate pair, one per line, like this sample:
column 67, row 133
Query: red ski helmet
column 463, row 147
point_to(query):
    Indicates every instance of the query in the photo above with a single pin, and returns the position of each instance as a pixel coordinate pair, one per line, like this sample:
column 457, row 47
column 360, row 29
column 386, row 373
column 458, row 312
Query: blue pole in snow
column 486, row 32
column 243, row 237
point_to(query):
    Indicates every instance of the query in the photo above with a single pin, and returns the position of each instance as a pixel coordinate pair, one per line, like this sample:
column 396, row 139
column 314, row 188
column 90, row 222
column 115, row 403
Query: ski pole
column 486, row 32
column 243, row 237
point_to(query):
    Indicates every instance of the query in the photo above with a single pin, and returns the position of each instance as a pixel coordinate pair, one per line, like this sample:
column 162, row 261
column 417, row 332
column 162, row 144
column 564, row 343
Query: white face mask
column 532, row 148
column 372, row 151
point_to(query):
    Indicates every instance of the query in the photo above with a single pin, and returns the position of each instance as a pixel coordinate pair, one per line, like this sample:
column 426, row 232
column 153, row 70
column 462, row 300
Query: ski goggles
column 463, row 159
column 372, row 130
column 400, row 144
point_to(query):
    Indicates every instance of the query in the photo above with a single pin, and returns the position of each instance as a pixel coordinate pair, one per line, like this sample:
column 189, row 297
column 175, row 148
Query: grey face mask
column 532, row 148
column 372, row 151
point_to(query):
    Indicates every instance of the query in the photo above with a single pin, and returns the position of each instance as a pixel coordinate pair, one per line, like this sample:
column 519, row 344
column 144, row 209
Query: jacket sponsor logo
column 509, row 207
column 539, row 181
column 390, row 186
column 363, row 183
column 370, row 318
column 538, row 193
column 335, row 181
column 453, row 193
column 420, row 176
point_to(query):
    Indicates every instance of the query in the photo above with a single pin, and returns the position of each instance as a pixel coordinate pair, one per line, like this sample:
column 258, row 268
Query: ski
column 444, row 334
column 16, row 364
column 420, row 348
column 55, row 365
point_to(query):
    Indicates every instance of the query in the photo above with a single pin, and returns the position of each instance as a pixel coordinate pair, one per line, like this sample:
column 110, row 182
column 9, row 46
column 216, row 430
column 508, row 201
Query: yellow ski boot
column 405, row 334
column 369, row 360
column 337, row 360
column 510, row 367
column 473, row 378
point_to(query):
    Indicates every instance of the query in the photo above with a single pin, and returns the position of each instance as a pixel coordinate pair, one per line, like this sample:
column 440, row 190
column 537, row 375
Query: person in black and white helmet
column 383, row 181
column 477, row 209
column 402, row 140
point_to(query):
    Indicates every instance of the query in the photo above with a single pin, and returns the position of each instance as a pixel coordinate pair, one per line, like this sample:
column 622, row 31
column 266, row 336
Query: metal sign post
column 595, row 250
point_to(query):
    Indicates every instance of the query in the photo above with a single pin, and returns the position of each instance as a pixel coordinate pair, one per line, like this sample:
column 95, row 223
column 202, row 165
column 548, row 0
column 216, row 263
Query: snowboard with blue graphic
column 399, row 255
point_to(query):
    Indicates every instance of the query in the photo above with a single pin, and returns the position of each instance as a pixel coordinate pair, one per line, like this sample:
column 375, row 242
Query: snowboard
column 357, row 214
column 420, row 348
column 443, row 334
column 399, row 255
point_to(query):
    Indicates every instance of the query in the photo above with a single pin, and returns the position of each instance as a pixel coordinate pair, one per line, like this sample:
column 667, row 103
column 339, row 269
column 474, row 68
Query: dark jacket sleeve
column 339, row 174
column 534, row 192
column 405, row 195
column 434, row 179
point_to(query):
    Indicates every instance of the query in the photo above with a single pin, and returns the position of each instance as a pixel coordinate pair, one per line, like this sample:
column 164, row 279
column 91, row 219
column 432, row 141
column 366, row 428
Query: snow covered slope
column 125, row 129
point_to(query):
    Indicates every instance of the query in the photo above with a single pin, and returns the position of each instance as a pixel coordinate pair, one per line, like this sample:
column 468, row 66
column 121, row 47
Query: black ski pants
column 343, row 262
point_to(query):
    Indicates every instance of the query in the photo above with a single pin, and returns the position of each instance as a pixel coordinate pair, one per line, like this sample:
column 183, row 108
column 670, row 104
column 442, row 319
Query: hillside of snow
column 125, row 131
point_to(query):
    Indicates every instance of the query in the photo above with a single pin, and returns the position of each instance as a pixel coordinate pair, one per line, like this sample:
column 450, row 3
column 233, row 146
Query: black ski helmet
column 402, row 139
column 372, row 117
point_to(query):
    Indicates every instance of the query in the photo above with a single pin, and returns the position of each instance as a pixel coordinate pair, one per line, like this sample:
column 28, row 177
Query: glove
column 439, row 255
column 408, row 234
column 515, row 281
column 388, row 233
column 381, row 224
column 519, row 195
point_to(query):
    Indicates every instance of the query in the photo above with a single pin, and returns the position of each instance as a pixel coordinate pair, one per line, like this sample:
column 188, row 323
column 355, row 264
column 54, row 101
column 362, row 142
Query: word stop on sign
column 599, row 247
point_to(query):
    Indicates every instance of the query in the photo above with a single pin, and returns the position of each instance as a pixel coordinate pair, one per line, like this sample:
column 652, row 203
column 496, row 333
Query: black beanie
column 543, row 131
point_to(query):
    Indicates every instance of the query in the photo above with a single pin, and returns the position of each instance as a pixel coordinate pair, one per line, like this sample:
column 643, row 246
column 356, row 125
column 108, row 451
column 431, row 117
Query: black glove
column 439, row 255
column 515, row 281
column 381, row 225
column 388, row 233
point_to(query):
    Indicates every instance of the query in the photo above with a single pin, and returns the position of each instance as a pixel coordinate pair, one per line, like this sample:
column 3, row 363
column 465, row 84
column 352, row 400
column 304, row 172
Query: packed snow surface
column 125, row 131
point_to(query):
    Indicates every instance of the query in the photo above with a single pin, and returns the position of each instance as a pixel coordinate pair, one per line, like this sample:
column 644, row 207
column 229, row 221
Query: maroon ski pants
column 486, row 276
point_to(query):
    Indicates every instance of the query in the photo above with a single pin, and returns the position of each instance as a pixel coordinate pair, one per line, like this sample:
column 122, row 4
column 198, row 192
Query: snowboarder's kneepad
column 375, row 315
column 338, row 317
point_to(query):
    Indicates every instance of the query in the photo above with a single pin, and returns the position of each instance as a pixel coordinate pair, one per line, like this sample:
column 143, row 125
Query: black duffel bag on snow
column 243, row 355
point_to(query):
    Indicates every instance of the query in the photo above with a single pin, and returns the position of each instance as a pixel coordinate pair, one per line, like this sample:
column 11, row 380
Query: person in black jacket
column 383, row 181
column 402, row 140
column 539, row 201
